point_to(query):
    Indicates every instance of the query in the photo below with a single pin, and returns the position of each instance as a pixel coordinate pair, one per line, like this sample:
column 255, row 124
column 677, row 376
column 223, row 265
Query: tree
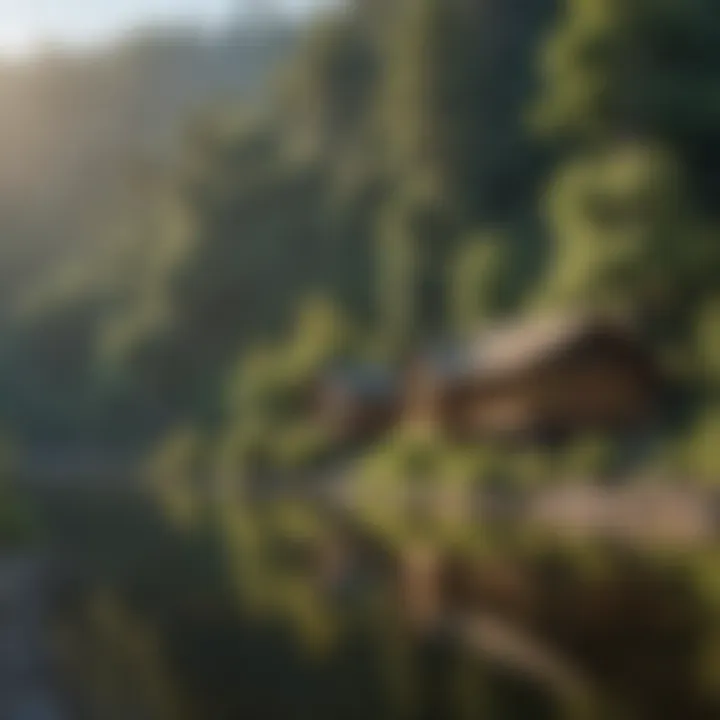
column 619, row 69
column 623, row 229
column 480, row 280
column 708, row 345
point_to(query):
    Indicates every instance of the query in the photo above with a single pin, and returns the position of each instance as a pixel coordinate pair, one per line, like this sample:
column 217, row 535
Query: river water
column 291, row 610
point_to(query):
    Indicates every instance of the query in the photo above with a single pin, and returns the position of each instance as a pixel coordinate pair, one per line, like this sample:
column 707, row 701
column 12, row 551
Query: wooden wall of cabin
column 602, row 393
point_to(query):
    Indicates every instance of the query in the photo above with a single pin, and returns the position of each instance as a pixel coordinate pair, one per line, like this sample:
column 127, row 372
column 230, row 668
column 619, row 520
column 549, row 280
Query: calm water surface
column 289, row 610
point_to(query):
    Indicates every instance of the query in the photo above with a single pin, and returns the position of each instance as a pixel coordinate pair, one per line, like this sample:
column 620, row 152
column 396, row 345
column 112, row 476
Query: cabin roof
column 518, row 346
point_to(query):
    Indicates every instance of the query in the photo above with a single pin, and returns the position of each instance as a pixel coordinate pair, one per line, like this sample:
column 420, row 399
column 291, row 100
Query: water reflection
column 295, row 609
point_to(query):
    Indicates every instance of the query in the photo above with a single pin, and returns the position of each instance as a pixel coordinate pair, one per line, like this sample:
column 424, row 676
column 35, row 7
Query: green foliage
column 178, row 476
column 270, row 400
column 623, row 230
column 702, row 450
column 479, row 281
column 643, row 67
column 456, row 155
column 411, row 457
column 122, row 659
column 708, row 344
column 272, row 381
column 590, row 458
column 303, row 446
column 329, row 88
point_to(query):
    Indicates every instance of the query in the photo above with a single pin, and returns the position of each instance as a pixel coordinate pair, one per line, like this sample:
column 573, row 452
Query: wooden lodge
column 545, row 378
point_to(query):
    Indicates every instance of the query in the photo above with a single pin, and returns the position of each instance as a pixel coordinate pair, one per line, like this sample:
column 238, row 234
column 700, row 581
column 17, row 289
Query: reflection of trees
column 636, row 625
column 289, row 566
column 321, row 630
column 275, row 557
column 118, row 663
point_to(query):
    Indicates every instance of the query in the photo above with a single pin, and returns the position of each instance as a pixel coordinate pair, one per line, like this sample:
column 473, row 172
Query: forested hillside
column 420, row 168
column 88, row 136
column 79, row 127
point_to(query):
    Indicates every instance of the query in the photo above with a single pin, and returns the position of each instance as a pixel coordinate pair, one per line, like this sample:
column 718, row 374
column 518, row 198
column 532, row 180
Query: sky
column 27, row 24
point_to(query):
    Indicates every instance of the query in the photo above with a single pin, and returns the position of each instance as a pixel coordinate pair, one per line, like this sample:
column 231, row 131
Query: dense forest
column 418, row 168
